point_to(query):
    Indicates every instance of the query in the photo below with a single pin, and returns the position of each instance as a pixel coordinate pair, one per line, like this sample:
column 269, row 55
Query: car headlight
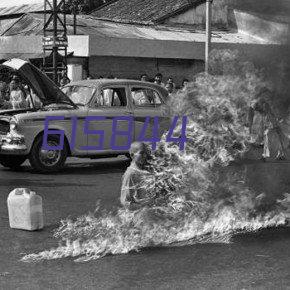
column 13, row 124
column 14, row 138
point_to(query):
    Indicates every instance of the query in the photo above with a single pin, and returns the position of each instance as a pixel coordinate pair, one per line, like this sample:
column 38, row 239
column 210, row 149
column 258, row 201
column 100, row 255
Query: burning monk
column 133, row 192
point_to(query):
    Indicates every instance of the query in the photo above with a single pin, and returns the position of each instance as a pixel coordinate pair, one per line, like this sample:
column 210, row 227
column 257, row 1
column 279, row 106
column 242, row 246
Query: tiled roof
column 26, row 25
column 143, row 11
column 107, row 38
column 21, row 9
column 6, row 24
column 31, row 24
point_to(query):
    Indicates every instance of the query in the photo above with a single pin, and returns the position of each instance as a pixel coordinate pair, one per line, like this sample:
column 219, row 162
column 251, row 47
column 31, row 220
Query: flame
column 198, row 197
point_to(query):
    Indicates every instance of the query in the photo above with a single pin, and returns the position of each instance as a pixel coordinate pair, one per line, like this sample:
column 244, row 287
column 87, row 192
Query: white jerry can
column 25, row 209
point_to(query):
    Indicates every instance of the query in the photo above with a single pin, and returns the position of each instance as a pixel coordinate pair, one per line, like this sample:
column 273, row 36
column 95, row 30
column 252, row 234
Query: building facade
column 125, row 39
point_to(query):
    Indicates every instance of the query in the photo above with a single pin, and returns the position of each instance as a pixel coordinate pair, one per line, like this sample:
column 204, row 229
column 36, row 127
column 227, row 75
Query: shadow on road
column 96, row 167
column 103, row 166
column 264, row 235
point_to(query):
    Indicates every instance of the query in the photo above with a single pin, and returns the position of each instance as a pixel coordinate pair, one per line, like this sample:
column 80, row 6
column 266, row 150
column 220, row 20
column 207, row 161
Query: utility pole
column 54, row 38
column 208, row 33
column 75, row 8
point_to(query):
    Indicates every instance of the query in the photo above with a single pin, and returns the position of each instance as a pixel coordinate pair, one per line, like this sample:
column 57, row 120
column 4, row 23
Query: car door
column 110, row 123
column 148, row 102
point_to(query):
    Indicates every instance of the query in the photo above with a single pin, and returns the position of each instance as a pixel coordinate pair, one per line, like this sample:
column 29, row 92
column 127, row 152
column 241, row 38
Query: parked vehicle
column 94, row 118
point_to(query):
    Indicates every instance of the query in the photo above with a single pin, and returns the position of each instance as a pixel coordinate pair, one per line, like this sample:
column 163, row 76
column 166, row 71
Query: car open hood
column 47, row 91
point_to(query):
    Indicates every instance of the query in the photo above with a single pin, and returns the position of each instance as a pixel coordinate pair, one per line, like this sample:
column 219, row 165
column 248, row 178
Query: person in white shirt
column 17, row 97
column 32, row 100
column 158, row 80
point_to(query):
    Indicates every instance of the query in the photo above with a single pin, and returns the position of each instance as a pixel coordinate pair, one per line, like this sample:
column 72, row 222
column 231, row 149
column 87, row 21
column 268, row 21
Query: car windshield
column 80, row 95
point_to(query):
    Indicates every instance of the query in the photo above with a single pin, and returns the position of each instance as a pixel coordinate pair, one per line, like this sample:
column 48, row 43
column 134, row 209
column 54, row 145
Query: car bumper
column 11, row 145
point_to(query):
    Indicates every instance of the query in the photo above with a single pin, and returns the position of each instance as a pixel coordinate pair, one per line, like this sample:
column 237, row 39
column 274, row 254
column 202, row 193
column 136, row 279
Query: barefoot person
column 133, row 194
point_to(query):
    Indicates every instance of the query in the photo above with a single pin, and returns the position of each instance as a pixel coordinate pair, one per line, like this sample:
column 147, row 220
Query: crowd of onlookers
column 15, row 94
column 169, row 85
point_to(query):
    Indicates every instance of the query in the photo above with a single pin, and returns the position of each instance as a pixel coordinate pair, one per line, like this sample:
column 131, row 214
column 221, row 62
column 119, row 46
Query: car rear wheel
column 12, row 161
column 47, row 160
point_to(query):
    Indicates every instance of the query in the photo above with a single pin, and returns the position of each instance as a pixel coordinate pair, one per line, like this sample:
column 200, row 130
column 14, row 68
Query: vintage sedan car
column 85, row 111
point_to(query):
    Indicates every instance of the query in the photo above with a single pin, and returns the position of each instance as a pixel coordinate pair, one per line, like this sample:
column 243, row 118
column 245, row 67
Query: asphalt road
column 253, row 261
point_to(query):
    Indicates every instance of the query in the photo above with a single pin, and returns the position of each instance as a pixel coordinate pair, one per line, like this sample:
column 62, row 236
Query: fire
column 199, row 197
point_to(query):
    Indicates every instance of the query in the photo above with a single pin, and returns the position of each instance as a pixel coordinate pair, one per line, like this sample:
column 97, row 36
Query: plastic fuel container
column 25, row 209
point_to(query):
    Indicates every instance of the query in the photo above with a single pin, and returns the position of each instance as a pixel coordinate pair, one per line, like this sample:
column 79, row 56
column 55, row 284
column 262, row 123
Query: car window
column 80, row 95
column 145, row 97
column 111, row 97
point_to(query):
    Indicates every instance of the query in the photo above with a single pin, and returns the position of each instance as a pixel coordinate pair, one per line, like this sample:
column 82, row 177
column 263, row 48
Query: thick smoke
column 273, row 59
column 197, row 198
column 268, row 7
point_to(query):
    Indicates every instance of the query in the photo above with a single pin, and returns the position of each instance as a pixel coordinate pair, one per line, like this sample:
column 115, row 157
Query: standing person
column 170, row 88
column 17, row 97
column 158, row 80
column 32, row 100
column 3, row 90
column 184, row 84
column 132, row 192
column 4, row 103
column 264, row 127
column 170, row 81
column 144, row 78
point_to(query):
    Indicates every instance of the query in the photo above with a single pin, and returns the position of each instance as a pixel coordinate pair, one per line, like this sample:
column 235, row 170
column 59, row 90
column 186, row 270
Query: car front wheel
column 43, row 160
column 12, row 161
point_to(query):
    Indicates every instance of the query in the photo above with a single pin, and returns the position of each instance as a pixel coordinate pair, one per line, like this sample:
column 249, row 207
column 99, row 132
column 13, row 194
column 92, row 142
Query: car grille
column 4, row 127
